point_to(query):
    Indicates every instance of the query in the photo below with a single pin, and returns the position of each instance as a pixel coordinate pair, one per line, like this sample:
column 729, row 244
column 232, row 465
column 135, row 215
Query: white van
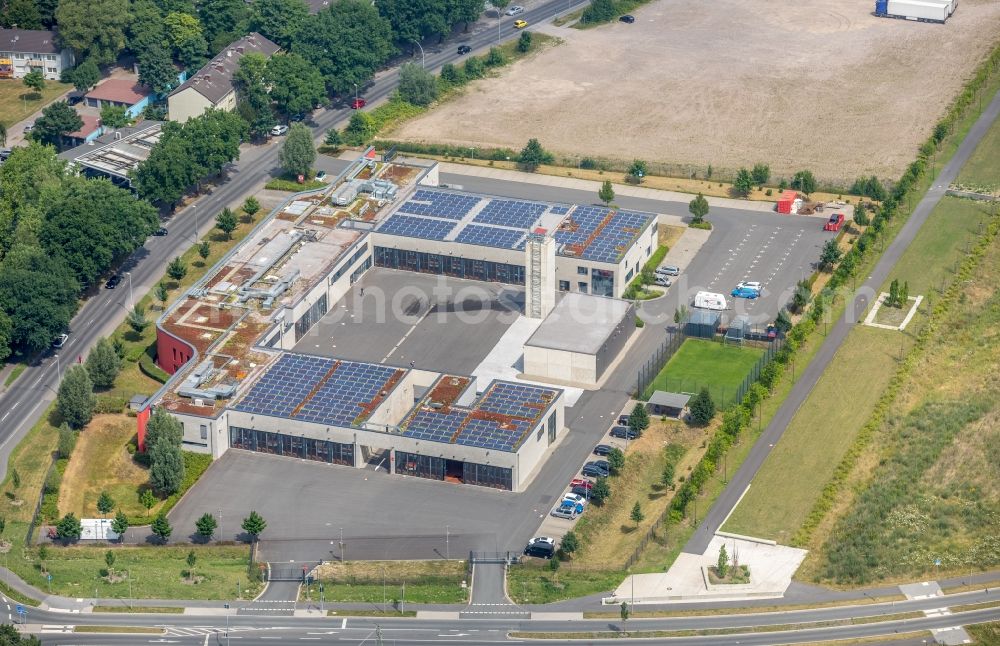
column 710, row 301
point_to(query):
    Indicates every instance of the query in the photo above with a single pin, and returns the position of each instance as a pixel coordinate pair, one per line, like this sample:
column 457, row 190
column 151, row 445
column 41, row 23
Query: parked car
column 745, row 292
column 751, row 284
column 514, row 10
column 596, row 470
column 113, row 282
column 320, row 175
column 541, row 547
column 772, row 332
column 576, row 498
column 279, row 130
column 602, row 449
column 575, row 505
column 668, row 270
column 357, row 103
column 627, row 18
column 662, row 281
column 463, row 50
column 60, row 341
column 581, row 491
column 565, row 511
column 581, row 483
column 29, row 126
column 520, row 24
column 160, row 232
column 624, row 433
column 834, row 223
column 623, row 420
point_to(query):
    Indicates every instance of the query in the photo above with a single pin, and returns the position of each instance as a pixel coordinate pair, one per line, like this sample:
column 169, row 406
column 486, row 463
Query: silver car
column 514, row 10
column 668, row 270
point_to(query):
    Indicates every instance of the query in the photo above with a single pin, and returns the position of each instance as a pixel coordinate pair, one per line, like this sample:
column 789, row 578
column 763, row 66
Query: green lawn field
column 700, row 363
column 17, row 101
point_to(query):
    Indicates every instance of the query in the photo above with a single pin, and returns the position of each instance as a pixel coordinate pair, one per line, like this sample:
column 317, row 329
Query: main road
column 22, row 404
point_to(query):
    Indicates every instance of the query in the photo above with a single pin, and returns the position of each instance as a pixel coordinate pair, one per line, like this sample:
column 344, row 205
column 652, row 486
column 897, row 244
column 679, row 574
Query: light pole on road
column 423, row 58
column 131, row 302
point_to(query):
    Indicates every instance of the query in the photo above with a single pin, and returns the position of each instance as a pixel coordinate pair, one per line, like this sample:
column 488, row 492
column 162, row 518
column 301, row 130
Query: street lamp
column 423, row 58
column 194, row 209
column 447, row 542
column 383, row 591
column 131, row 302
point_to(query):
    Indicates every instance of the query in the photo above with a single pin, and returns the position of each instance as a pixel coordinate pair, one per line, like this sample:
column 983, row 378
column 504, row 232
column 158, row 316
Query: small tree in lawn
column 162, row 294
column 34, row 80
column 147, row 499
column 702, row 408
column 298, row 152
column 680, row 314
column 524, row 42
column 830, row 255
column 637, row 516
column 204, row 250
column 570, row 543
column 3, row 526
column 698, row 208
column 176, row 269
column 760, row 174
column 600, row 492
column 904, row 294
column 105, row 503
column 638, row 419
column 636, row 171
column 43, row 555
column 103, row 364
column 254, row 525
column 15, row 478
column 722, row 566
column 69, row 528
column 120, row 525
column 607, row 192
column 667, row 477
column 532, row 156
column 161, row 527
column 136, row 318
column 333, row 138
column 616, row 461
column 804, row 181
column 743, row 184
column 67, row 441
column 109, row 560
column 625, row 612
column 251, row 206
column 800, row 297
column 75, row 400
column 192, row 558
column 206, row 526
column 893, row 299
column 226, row 222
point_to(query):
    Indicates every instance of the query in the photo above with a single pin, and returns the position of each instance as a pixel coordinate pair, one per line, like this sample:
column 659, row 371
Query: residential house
column 24, row 50
column 120, row 92
column 89, row 131
column 212, row 86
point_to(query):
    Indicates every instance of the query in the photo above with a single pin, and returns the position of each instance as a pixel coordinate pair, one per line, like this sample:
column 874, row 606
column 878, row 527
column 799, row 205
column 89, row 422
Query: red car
column 358, row 103
column 834, row 223
column 581, row 482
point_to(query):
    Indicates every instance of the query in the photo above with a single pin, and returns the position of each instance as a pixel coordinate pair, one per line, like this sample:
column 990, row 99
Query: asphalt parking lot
column 395, row 317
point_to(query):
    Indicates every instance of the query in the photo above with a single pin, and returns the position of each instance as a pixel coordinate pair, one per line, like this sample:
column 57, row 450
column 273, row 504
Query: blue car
column 745, row 292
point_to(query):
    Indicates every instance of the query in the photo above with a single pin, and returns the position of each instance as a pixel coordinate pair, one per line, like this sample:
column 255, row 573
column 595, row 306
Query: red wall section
column 142, row 418
column 171, row 352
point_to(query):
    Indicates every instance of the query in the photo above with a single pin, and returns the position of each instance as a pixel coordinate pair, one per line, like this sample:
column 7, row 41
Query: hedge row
column 738, row 417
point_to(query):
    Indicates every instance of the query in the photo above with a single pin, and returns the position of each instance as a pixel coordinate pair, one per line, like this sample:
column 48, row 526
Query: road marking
column 343, row 624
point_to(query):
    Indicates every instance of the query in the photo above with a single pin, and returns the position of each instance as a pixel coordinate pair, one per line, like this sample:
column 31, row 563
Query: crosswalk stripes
column 493, row 610
column 57, row 629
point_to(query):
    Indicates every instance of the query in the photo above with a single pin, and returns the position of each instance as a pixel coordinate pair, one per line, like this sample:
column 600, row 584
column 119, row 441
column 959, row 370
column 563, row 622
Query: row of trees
column 45, row 262
column 188, row 153
column 286, row 82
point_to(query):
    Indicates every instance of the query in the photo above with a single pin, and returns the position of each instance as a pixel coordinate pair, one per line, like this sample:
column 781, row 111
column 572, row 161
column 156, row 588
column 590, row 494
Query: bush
column 417, row 85
column 599, row 11
column 474, row 68
column 452, row 75
column 588, row 163
column 524, row 42
column 495, row 57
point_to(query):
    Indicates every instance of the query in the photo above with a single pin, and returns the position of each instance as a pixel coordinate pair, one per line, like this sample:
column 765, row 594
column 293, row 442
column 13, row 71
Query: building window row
column 293, row 446
column 315, row 312
column 447, row 265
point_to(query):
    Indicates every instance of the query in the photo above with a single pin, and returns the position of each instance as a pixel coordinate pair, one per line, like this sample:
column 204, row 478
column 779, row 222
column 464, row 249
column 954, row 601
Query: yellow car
column 520, row 24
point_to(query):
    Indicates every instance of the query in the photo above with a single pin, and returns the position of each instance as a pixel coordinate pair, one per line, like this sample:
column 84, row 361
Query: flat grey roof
column 670, row 400
column 580, row 323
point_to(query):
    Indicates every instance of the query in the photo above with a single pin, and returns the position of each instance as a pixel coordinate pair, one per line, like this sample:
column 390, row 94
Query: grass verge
column 370, row 613
column 749, row 610
column 373, row 581
column 985, row 634
column 18, row 102
column 292, row 186
column 533, row 582
column 143, row 610
column 143, row 630
column 14, row 374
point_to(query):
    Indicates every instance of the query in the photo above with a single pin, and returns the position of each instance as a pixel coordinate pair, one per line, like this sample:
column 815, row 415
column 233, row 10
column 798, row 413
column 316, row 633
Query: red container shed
column 786, row 200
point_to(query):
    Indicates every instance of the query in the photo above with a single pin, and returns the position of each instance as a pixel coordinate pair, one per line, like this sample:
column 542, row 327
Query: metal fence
column 649, row 370
column 28, row 540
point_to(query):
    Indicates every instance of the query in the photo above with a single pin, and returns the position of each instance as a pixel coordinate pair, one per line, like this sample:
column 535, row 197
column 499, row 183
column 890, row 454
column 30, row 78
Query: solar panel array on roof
column 514, row 399
column 316, row 389
column 616, row 236
column 439, row 204
column 519, row 407
column 435, row 425
column 417, row 227
column 559, row 209
column 490, row 236
column 487, row 434
column 510, row 213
